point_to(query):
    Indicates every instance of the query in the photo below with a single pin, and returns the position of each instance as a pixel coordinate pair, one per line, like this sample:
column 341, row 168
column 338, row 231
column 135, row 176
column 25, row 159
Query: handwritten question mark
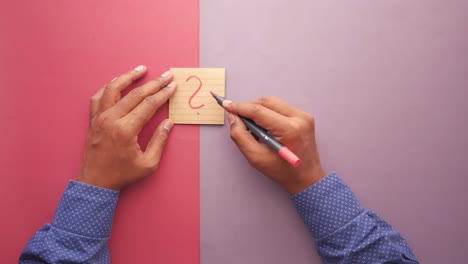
column 195, row 93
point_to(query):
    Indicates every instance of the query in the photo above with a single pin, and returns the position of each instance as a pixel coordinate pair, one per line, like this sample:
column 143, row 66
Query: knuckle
column 137, row 93
column 94, row 99
column 160, row 80
column 256, row 109
column 152, row 86
column 128, row 75
column 309, row 118
column 232, row 106
column 109, row 86
column 101, row 120
column 127, row 78
column 121, row 130
column 266, row 99
column 150, row 166
column 235, row 135
column 160, row 140
column 165, row 94
column 163, row 135
column 295, row 128
column 150, row 100
column 156, row 83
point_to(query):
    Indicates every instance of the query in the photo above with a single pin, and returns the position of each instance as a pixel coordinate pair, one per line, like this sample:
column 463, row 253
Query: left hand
column 112, row 156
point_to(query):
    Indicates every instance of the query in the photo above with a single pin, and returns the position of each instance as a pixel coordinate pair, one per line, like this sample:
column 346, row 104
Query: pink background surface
column 388, row 84
column 54, row 56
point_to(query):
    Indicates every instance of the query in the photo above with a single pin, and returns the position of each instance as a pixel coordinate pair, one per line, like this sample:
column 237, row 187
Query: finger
column 157, row 142
column 137, row 95
column 278, row 105
column 112, row 90
column 140, row 115
column 270, row 120
column 95, row 101
column 245, row 142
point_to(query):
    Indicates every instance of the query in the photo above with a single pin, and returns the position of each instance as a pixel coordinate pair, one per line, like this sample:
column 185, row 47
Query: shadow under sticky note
column 192, row 102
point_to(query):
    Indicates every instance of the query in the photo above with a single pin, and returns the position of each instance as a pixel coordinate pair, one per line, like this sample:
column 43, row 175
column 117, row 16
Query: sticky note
column 192, row 102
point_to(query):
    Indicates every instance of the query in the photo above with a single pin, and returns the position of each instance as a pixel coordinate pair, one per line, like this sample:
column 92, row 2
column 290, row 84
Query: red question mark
column 195, row 93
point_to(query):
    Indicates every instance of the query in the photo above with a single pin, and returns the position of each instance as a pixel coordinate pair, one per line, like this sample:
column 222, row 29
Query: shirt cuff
column 327, row 205
column 86, row 210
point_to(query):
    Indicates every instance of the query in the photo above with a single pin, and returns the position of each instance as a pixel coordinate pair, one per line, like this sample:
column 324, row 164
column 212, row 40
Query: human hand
column 292, row 127
column 112, row 156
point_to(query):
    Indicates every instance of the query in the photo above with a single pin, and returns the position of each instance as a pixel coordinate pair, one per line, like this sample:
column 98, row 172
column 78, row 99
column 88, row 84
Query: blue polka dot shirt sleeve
column 343, row 231
column 79, row 230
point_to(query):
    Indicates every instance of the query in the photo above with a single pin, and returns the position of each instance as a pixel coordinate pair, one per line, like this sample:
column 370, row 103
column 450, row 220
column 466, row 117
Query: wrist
column 302, row 181
column 96, row 181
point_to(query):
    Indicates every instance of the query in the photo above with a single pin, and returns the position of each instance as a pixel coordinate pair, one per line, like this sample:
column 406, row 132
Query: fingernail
column 231, row 118
column 171, row 85
column 166, row 74
column 140, row 68
column 168, row 125
column 227, row 102
column 114, row 79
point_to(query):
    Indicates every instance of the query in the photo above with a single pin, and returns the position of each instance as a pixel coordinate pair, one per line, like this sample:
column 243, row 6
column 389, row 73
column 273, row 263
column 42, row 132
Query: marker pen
column 265, row 137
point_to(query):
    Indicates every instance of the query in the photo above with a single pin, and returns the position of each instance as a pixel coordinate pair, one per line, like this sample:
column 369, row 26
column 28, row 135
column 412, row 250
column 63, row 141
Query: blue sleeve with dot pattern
column 343, row 231
column 79, row 230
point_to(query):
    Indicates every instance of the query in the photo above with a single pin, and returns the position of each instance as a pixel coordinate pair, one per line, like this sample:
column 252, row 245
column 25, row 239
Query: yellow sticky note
column 192, row 102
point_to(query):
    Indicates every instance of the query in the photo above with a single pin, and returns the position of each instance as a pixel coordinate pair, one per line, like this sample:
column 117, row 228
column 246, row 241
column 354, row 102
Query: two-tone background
column 386, row 80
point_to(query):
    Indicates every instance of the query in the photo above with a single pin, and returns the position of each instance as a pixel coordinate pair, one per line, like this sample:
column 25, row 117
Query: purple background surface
column 388, row 84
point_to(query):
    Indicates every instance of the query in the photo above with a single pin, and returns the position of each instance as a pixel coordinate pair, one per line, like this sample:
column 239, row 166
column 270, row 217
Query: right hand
column 292, row 127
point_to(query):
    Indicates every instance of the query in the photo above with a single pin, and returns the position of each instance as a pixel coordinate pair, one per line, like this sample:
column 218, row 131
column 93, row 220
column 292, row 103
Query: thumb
column 158, row 141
